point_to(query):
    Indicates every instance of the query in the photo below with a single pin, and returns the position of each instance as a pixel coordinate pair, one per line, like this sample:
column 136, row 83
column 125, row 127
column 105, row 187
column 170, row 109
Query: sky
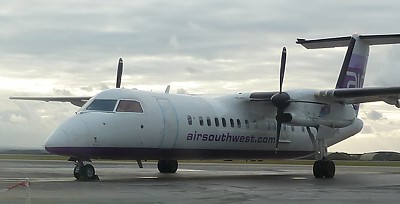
column 71, row 48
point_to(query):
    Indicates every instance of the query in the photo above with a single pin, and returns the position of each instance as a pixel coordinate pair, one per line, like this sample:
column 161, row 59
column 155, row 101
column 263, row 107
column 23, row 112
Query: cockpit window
column 102, row 105
column 129, row 106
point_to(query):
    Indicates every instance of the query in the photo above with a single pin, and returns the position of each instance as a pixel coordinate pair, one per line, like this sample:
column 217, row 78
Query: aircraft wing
column 390, row 95
column 75, row 100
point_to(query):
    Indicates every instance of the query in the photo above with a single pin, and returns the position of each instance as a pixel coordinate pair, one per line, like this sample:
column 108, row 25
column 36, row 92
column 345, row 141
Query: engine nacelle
column 309, row 111
column 296, row 120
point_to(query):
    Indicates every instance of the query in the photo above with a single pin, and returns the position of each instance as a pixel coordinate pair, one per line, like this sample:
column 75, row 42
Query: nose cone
column 57, row 139
column 71, row 133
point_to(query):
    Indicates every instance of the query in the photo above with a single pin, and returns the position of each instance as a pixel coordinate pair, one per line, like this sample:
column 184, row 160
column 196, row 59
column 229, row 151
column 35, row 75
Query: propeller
column 119, row 73
column 281, row 101
column 282, row 69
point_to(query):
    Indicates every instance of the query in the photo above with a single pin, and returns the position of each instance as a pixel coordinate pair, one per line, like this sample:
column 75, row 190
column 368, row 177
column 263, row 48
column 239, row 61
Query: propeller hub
column 280, row 100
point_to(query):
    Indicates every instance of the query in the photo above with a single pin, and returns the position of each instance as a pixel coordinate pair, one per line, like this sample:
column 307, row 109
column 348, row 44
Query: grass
column 288, row 162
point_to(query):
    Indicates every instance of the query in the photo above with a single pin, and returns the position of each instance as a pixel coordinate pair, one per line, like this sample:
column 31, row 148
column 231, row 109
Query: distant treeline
column 24, row 151
column 373, row 156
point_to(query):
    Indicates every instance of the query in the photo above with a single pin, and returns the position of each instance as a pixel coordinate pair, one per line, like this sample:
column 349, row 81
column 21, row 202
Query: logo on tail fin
column 355, row 73
column 356, row 80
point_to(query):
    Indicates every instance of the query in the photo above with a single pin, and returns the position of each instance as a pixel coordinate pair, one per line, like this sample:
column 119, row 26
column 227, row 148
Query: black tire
column 167, row 166
column 328, row 169
column 78, row 172
column 89, row 172
column 161, row 166
column 317, row 169
column 172, row 166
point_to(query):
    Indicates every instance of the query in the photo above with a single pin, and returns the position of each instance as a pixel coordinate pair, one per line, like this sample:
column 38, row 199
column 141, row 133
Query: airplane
column 130, row 124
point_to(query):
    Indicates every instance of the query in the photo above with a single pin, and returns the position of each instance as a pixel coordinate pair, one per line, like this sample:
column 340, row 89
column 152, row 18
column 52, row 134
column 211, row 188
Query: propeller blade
column 282, row 69
column 119, row 73
column 278, row 135
column 280, row 100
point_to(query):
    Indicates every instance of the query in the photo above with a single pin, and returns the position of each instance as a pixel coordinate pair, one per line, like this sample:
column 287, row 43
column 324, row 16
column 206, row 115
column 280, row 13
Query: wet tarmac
column 124, row 182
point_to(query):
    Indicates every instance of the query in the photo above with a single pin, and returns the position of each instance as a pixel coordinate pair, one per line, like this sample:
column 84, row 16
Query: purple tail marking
column 353, row 70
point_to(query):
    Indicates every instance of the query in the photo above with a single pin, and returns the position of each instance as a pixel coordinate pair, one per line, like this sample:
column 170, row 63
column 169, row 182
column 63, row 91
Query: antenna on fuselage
column 167, row 89
column 119, row 73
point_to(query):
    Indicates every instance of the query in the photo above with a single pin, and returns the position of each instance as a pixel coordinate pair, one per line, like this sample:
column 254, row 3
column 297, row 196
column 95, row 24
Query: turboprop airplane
column 141, row 125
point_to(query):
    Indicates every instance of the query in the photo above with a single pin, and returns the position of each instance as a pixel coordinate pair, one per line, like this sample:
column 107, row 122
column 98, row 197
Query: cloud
column 17, row 118
column 195, row 26
column 62, row 92
column 192, row 70
column 182, row 91
column 367, row 129
column 374, row 115
column 174, row 43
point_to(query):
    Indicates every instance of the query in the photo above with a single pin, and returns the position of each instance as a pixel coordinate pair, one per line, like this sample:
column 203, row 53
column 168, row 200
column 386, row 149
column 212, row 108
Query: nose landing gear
column 84, row 172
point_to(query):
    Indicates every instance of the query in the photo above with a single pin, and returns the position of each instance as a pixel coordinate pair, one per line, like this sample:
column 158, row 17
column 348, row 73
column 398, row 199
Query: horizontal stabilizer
column 344, row 41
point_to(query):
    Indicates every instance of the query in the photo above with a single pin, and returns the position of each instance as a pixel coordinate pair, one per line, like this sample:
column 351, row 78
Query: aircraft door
column 170, row 119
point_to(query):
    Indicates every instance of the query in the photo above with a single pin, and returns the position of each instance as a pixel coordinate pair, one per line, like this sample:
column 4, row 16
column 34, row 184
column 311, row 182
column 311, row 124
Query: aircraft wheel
column 78, row 172
column 317, row 169
column 167, row 166
column 89, row 172
column 85, row 173
column 328, row 169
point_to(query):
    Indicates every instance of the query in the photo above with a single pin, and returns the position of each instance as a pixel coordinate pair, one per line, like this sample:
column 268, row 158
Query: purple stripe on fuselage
column 119, row 153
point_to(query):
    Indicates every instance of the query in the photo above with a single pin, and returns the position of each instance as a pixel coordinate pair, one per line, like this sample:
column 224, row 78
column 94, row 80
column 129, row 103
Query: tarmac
column 124, row 182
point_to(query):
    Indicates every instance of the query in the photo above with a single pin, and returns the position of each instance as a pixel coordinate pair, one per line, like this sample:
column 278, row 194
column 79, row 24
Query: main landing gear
column 167, row 166
column 84, row 172
column 322, row 168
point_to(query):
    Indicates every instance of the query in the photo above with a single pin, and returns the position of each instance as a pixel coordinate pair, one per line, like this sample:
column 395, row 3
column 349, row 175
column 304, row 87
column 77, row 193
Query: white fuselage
column 170, row 126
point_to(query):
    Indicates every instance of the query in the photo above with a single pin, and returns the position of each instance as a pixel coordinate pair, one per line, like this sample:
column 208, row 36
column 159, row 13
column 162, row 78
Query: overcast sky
column 53, row 48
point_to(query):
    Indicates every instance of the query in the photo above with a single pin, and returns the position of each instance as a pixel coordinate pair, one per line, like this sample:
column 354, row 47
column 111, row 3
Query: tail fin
column 354, row 65
column 356, row 58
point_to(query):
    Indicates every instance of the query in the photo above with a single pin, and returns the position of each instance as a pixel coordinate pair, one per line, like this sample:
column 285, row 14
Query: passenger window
column 201, row 120
column 255, row 124
column 223, row 122
column 216, row 122
column 292, row 128
column 302, row 128
column 232, row 122
column 102, row 105
column 129, row 106
column 268, row 125
column 190, row 121
column 208, row 121
column 239, row 124
column 274, row 126
column 247, row 124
